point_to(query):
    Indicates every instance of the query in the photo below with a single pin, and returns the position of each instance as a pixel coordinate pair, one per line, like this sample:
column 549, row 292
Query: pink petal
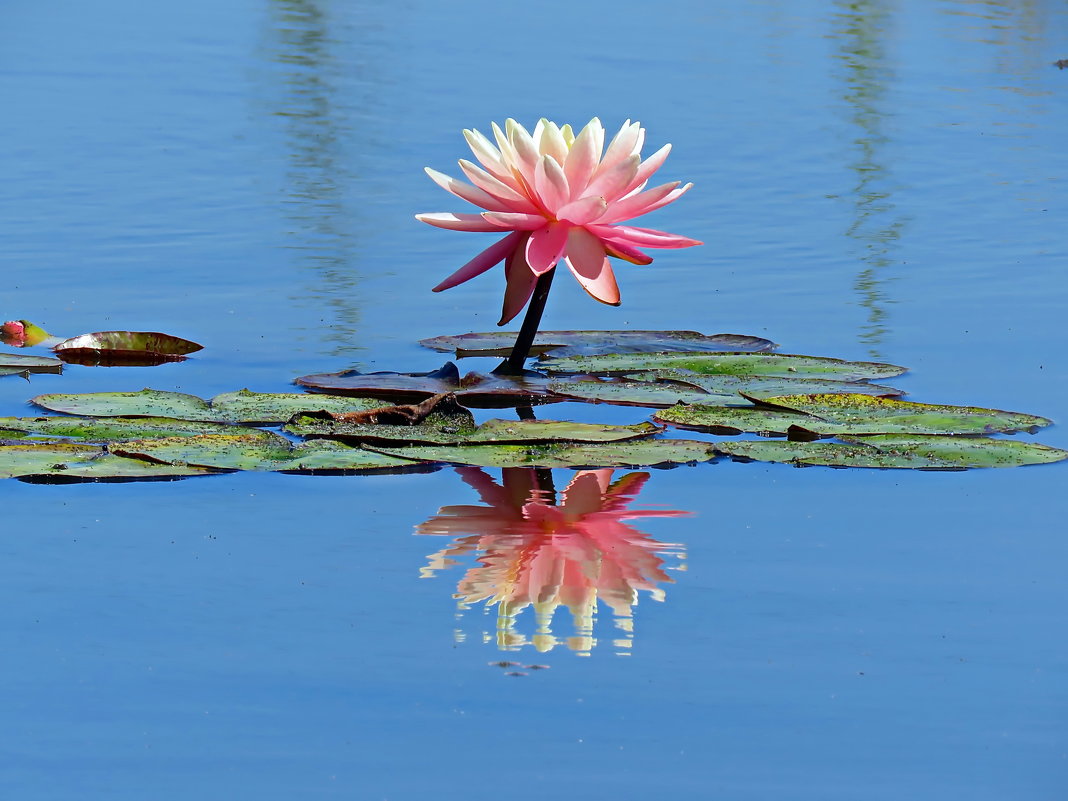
column 472, row 194
column 490, row 257
column 511, row 193
column 515, row 220
column 583, row 210
column 644, row 237
column 521, row 282
column 649, row 166
column 583, row 157
column 486, row 153
column 527, row 155
column 612, row 183
column 621, row 250
column 621, row 146
column 587, row 260
column 546, row 246
column 644, row 202
column 551, row 184
column 458, row 222
column 550, row 141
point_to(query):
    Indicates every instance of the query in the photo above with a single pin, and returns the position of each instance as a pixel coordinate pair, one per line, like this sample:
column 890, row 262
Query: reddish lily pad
column 764, row 364
column 127, row 348
column 575, row 343
column 643, row 453
column 474, row 389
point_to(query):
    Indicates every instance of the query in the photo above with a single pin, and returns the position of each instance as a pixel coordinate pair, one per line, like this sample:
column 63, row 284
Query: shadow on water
column 315, row 95
column 542, row 549
column 861, row 28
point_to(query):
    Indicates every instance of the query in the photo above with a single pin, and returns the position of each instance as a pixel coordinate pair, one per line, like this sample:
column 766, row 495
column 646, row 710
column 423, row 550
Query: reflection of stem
column 544, row 477
column 513, row 365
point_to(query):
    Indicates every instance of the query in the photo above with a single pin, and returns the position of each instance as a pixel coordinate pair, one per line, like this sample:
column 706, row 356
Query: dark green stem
column 513, row 365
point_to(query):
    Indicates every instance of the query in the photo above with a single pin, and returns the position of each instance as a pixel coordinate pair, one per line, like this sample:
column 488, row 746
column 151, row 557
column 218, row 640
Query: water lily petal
column 551, row 142
column 526, row 151
column 521, row 282
column 515, row 221
column 622, row 250
column 584, row 156
column 490, row 257
column 472, row 194
column 508, row 156
column 507, row 193
column 582, row 211
column 621, row 146
column 551, row 184
column 644, row 237
column 458, row 222
column 546, row 246
column 569, row 135
column 486, row 153
column 648, row 167
column 612, row 183
column 644, row 202
column 589, row 264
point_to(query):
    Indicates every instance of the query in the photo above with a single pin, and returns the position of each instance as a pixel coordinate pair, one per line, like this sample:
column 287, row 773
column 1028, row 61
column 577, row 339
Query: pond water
column 873, row 180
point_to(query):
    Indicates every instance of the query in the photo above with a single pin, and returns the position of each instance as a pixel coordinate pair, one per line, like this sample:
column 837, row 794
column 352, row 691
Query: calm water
column 873, row 179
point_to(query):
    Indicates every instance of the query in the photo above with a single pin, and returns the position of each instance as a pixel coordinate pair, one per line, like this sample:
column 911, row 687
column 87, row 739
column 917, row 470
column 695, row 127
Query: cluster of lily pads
column 804, row 410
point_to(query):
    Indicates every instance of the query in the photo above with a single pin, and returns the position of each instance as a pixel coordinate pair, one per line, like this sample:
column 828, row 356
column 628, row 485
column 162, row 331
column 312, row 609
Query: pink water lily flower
column 559, row 196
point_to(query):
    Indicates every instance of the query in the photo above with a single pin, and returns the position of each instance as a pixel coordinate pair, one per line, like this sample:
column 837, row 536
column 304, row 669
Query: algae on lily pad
column 245, row 406
column 765, row 364
column 107, row 429
column 258, row 450
column 66, row 461
column 575, row 343
column 967, row 451
column 641, row 453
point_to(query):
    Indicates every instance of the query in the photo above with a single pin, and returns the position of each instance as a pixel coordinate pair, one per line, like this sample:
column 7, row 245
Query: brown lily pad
column 125, row 348
column 588, row 343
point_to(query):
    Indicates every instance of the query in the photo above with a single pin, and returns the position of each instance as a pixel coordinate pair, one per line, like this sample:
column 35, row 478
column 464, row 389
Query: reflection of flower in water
column 537, row 552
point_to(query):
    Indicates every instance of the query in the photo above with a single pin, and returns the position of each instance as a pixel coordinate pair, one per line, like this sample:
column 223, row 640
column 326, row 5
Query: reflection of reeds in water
column 542, row 552
column 861, row 29
column 311, row 95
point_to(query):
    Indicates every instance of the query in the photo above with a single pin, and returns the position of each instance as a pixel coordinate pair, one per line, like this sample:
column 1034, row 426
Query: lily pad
column 574, row 343
column 448, row 432
column 896, row 451
column 112, row 348
column 622, row 392
column 66, row 461
column 114, row 429
column 867, row 414
column 17, row 364
column 645, row 453
column 474, row 389
column 231, row 407
column 846, row 415
column 260, row 450
column 759, row 386
column 765, row 364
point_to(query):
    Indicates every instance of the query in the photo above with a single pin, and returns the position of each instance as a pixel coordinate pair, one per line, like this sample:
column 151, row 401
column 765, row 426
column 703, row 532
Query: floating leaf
column 474, row 389
column 865, row 414
column 446, row 431
column 112, row 348
column 846, row 415
column 18, row 364
column 758, row 386
column 636, row 393
column 66, row 461
column 968, row 451
column 231, row 407
column 647, row 453
column 765, row 364
column 897, row 451
column 114, row 429
column 573, row 343
column 259, row 450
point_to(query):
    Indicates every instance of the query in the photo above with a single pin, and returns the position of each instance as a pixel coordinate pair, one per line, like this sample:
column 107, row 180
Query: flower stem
column 513, row 365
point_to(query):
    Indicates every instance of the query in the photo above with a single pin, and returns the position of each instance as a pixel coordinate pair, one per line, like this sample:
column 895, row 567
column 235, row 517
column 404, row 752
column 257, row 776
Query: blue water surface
column 873, row 180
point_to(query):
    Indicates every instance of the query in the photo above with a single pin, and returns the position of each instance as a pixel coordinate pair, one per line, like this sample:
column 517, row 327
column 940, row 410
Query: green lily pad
column 826, row 454
column 573, row 343
column 260, row 450
column 765, row 364
column 967, row 451
column 124, row 348
column 448, row 432
column 17, row 364
column 243, row 406
column 645, row 453
column 114, row 429
column 759, row 386
column 866, row 414
column 852, row 415
column 66, row 461
column 622, row 392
